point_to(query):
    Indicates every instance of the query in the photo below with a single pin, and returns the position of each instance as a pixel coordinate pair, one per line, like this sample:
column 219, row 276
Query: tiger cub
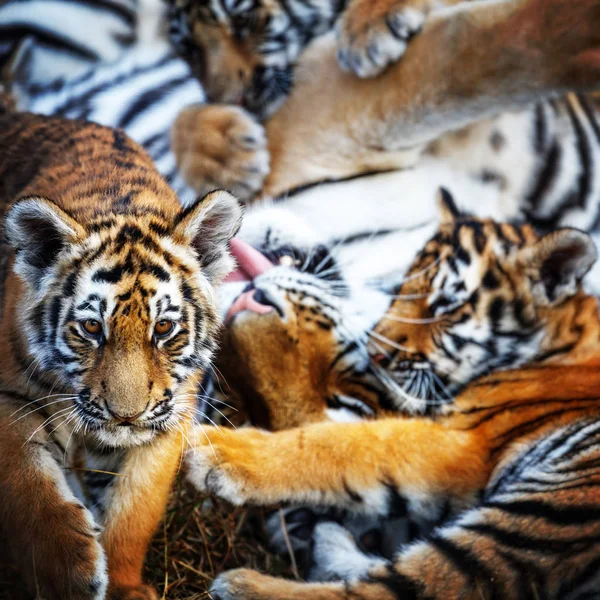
column 107, row 320
column 495, row 350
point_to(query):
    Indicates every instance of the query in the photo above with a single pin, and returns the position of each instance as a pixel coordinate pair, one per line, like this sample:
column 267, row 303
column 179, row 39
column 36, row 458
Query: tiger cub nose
column 122, row 416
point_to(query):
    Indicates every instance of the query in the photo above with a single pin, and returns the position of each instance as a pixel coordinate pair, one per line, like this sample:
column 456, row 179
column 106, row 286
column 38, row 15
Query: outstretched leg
column 379, row 467
column 469, row 63
column 535, row 535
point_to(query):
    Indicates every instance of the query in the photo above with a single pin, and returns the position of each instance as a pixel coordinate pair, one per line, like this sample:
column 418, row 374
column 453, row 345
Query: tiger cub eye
column 92, row 327
column 163, row 327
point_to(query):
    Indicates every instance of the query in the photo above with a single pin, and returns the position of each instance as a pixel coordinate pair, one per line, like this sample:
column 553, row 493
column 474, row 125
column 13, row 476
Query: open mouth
column 250, row 264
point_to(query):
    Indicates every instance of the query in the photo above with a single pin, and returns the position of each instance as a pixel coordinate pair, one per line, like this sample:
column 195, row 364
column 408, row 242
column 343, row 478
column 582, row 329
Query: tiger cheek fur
column 299, row 363
column 284, row 387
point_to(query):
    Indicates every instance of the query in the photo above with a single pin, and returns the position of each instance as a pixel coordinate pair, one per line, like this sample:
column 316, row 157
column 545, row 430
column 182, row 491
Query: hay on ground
column 198, row 539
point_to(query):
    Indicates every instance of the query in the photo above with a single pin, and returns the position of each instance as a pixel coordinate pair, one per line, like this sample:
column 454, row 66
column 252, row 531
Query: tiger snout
column 128, row 399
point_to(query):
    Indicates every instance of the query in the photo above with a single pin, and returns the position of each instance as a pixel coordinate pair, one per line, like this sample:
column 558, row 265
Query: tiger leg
column 136, row 504
column 473, row 62
column 486, row 554
column 536, row 534
column 377, row 467
column 372, row 34
column 50, row 535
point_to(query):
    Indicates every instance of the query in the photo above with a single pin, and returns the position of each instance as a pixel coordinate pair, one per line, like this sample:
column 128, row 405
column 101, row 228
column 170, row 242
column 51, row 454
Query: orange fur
column 99, row 231
column 465, row 446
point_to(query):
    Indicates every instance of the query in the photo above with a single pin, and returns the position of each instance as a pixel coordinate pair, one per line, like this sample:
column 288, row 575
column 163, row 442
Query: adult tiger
column 107, row 319
column 544, row 156
column 339, row 213
column 511, row 458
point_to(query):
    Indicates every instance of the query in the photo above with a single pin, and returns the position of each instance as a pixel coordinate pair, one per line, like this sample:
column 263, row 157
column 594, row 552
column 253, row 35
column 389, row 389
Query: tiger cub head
column 244, row 52
column 119, row 310
column 293, row 350
column 479, row 297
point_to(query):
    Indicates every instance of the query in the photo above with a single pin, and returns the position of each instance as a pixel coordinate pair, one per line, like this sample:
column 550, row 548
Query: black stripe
column 308, row 186
column 590, row 114
column 466, row 563
column 583, row 149
column 149, row 99
column 49, row 37
column 546, row 546
column 545, row 177
column 558, row 515
column 75, row 102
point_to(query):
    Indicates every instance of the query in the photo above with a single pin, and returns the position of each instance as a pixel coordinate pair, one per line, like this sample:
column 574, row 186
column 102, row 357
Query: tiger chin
column 108, row 320
column 504, row 464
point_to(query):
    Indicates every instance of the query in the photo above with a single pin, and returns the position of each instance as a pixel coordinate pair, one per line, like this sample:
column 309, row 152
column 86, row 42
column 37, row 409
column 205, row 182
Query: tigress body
column 505, row 462
column 542, row 157
column 108, row 318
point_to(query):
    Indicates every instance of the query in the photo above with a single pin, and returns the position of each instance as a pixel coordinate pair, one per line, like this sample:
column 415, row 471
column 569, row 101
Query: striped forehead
column 125, row 268
column 133, row 298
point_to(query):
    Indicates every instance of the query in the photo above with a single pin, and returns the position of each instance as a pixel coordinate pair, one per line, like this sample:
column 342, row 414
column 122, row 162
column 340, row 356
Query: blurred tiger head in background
column 244, row 52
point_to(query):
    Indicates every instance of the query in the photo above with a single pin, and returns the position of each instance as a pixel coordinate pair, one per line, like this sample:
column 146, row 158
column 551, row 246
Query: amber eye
column 163, row 328
column 92, row 327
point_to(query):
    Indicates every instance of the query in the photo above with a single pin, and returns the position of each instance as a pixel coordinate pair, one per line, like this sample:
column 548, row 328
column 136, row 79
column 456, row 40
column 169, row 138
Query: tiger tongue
column 246, row 301
column 251, row 263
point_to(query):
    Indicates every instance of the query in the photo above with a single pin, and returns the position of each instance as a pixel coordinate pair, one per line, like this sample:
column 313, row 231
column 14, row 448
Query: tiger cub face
column 293, row 349
column 480, row 296
column 244, row 52
column 121, row 311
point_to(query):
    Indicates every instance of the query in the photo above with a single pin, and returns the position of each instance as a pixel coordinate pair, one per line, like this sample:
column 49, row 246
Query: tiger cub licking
column 108, row 319
column 499, row 442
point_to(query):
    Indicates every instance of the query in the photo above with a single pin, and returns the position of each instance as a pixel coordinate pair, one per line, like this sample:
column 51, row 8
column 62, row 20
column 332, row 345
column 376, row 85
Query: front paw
column 137, row 592
column 212, row 468
column 239, row 584
column 373, row 34
column 70, row 562
column 221, row 147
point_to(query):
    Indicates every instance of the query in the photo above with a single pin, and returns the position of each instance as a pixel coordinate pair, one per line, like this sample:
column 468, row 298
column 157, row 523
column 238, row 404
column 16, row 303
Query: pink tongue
column 246, row 301
column 251, row 263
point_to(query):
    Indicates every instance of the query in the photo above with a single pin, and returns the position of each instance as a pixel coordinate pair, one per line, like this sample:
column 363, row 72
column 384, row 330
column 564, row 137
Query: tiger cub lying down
column 509, row 456
column 334, row 125
column 108, row 318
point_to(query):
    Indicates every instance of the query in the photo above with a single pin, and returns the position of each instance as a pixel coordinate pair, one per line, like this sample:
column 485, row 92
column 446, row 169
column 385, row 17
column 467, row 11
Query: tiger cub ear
column 448, row 212
column 38, row 230
column 207, row 226
column 557, row 263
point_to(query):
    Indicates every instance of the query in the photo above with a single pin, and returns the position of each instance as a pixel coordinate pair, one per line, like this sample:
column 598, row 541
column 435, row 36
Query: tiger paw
column 70, row 562
column 373, row 34
column 222, row 464
column 221, row 147
column 243, row 584
column 137, row 592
